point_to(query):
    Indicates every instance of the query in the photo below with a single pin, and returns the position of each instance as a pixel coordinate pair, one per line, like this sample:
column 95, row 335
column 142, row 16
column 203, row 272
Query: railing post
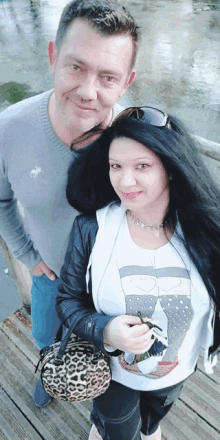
column 208, row 148
column 20, row 274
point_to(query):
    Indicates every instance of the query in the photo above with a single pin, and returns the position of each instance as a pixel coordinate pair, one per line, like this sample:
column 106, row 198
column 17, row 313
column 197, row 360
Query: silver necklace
column 149, row 227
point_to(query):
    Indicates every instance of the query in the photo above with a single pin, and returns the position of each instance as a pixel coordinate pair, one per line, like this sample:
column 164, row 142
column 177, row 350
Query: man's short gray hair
column 108, row 17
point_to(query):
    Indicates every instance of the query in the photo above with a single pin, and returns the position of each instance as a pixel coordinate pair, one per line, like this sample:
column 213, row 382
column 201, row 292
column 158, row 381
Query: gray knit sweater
column 33, row 170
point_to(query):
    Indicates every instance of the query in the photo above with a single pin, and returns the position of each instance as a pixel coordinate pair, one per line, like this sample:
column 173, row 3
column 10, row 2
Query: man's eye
column 109, row 79
column 75, row 67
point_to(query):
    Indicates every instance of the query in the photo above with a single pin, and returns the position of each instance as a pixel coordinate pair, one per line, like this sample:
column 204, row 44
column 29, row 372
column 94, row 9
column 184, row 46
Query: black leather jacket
column 73, row 301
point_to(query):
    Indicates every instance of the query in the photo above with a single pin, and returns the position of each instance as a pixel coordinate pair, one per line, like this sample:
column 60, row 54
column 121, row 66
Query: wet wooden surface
column 195, row 416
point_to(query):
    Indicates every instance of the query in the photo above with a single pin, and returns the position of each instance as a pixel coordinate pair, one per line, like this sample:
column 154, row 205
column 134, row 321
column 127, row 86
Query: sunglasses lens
column 153, row 116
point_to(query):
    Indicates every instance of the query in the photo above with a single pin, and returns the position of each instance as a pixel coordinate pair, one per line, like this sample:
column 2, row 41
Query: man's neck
column 70, row 135
column 64, row 133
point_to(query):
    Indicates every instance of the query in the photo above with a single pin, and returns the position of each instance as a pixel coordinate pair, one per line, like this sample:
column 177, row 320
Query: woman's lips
column 131, row 195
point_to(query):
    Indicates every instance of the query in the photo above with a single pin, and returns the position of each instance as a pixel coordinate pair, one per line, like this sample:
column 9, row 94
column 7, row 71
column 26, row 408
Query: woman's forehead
column 127, row 148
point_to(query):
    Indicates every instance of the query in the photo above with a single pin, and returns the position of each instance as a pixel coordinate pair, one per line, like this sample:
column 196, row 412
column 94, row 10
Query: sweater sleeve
column 73, row 301
column 12, row 228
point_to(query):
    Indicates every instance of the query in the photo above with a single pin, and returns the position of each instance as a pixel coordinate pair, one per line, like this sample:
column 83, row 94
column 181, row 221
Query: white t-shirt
column 165, row 286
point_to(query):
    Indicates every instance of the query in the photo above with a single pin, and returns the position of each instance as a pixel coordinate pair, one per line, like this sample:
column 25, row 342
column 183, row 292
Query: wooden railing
column 208, row 148
column 19, row 271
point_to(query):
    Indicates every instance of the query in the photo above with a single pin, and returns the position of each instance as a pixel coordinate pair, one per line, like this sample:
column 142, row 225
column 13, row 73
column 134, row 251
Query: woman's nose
column 128, row 179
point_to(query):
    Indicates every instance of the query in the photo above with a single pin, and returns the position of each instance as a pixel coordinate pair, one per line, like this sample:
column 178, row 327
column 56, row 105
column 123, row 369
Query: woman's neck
column 150, row 231
column 151, row 216
column 149, row 238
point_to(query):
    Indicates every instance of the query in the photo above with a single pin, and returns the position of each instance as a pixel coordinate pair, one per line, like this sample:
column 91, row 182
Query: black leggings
column 121, row 412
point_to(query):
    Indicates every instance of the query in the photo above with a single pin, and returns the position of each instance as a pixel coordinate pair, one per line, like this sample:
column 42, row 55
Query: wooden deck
column 196, row 415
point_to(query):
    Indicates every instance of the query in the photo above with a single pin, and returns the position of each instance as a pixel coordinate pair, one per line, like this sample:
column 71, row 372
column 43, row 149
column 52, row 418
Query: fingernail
column 52, row 278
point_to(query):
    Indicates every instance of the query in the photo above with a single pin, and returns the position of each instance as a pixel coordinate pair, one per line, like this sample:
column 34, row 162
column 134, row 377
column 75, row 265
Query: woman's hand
column 128, row 334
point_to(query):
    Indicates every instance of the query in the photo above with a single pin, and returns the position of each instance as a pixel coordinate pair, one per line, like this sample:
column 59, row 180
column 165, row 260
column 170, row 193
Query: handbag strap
column 65, row 341
column 63, row 345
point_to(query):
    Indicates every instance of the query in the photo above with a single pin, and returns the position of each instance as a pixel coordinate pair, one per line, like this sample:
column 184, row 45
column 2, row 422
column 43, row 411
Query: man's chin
column 84, row 128
column 82, row 125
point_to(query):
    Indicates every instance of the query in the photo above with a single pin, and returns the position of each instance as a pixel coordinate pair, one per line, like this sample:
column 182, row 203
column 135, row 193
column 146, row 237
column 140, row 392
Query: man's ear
column 52, row 53
column 130, row 78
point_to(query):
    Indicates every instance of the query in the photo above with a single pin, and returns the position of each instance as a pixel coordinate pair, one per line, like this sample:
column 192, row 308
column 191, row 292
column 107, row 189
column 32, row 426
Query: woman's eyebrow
column 136, row 159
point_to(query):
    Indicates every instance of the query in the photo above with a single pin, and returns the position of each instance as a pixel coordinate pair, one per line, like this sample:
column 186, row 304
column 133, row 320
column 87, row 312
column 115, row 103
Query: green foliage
column 13, row 92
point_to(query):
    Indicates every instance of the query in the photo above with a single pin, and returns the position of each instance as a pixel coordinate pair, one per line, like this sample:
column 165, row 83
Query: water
column 178, row 65
column 179, row 62
column 178, row 68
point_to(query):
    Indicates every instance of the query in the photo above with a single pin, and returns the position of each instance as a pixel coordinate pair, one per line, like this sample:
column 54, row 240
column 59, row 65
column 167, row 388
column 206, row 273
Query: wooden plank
column 195, row 396
column 23, row 342
column 46, row 420
column 182, row 421
column 191, row 424
column 72, row 418
column 205, row 387
column 13, row 356
column 2, row 435
column 17, row 378
column 215, row 377
column 195, row 415
column 22, row 326
column 13, row 425
column 171, row 430
column 23, row 323
column 19, row 324
column 80, row 408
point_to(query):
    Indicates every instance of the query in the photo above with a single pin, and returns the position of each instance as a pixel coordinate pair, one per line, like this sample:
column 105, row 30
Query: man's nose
column 87, row 90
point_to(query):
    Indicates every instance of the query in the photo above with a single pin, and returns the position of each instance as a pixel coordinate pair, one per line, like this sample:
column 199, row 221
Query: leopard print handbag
column 72, row 369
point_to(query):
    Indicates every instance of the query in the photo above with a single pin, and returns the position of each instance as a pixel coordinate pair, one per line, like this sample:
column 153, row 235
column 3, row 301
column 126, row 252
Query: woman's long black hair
column 194, row 197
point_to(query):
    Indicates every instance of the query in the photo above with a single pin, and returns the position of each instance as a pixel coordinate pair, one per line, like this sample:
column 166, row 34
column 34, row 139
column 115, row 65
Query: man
column 92, row 60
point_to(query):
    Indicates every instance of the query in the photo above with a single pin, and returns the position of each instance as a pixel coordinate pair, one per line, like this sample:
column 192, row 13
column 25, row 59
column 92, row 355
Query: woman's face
column 138, row 176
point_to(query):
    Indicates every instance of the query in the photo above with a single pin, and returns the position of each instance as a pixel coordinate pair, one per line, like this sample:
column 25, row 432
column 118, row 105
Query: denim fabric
column 45, row 321
column 121, row 412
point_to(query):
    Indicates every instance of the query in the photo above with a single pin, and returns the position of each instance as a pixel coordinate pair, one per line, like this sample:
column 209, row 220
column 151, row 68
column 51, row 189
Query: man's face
column 91, row 72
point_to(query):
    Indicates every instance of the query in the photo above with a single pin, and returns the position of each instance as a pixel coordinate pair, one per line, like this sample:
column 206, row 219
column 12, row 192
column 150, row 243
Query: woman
column 142, row 273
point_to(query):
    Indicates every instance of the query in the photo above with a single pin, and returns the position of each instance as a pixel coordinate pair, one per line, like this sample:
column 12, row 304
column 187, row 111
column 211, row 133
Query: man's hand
column 42, row 268
column 128, row 334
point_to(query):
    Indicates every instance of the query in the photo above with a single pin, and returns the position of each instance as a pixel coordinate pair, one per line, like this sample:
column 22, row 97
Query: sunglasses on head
column 150, row 115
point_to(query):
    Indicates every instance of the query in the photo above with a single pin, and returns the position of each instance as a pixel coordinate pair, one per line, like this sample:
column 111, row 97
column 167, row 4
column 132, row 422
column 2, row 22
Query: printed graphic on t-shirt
column 162, row 295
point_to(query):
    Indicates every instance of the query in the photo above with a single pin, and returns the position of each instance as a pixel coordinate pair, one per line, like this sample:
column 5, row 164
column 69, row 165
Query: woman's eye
column 114, row 166
column 142, row 166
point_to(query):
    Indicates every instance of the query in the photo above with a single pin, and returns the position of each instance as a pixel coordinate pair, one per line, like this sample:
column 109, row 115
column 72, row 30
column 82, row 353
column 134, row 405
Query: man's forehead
column 83, row 37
